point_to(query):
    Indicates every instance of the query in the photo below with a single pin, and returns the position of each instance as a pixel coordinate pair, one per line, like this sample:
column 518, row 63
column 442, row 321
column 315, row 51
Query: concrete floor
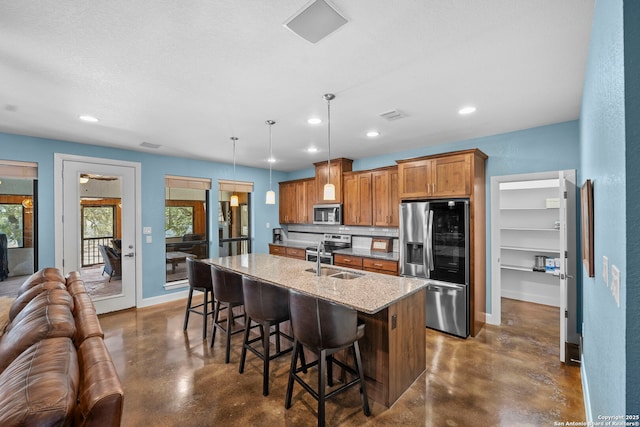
column 508, row 375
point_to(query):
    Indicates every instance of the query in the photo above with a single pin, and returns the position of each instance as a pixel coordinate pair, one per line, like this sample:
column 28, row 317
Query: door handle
column 130, row 254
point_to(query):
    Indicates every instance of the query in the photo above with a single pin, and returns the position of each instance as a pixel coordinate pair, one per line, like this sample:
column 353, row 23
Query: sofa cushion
column 48, row 274
column 101, row 394
column 48, row 292
column 40, row 387
column 75, row 285
column 33, row 325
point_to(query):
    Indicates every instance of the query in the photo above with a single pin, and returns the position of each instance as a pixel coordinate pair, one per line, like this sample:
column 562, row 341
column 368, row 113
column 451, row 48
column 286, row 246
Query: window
column 97, row 221
column 12, row 224
column 178, row 221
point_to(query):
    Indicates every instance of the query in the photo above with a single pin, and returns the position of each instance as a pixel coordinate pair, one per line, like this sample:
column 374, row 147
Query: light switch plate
column 615, row 284
column 605, row 270
column 146, row 230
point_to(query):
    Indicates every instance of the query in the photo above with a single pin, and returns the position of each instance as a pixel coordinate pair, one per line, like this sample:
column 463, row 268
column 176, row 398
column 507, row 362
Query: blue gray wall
column 610, row 151
column 154, row 169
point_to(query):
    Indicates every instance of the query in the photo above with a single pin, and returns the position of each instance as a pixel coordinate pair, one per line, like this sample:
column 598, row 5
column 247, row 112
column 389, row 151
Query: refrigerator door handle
column 426, row 245
column 430, row 241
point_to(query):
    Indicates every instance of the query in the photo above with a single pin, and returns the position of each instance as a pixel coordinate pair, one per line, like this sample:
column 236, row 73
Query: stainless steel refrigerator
column 434, row 244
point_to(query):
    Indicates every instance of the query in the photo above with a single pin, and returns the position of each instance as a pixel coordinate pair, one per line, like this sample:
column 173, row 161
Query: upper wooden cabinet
column 357, row 198
column 338, row 167
column 296, row 201
column 385, row 199
column 443, row 175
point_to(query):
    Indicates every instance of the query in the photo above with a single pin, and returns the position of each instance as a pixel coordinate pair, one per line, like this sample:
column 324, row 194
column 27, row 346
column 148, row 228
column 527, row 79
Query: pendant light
column 271, row 195
column 234, row 198
column 329, row 188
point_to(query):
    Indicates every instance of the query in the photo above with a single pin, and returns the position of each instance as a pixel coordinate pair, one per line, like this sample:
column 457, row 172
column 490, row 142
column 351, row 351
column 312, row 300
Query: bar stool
column 227, row 288
column 324, row 328
column 266, row 305
column 199, row 275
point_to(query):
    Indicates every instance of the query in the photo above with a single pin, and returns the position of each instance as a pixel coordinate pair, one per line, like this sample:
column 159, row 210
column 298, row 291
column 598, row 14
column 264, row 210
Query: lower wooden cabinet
column 289, row 252
column 368, row 264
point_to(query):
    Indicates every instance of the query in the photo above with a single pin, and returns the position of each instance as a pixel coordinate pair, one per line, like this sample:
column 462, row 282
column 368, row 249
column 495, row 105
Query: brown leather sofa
column 55, row 369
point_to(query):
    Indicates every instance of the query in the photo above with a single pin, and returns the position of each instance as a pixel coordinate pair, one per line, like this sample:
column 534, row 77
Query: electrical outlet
column 149, row 239
column 605, row 270
column 615, row 284
column 268, row 225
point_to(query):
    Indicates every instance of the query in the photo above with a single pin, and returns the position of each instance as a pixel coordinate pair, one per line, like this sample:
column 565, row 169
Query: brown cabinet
column 287, row 251
column 445, row 175
column 383, row 266
column 368, row 264
column 357, row 198
column 338, row 167
column 296, row 201
column 347, row 261
column 385, row 197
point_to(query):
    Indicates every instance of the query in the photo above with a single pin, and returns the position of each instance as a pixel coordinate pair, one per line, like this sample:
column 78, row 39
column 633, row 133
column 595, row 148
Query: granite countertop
column 367, row 253
column 368, row 293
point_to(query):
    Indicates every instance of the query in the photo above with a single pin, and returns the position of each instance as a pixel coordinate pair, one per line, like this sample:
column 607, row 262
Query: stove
column 331, row 242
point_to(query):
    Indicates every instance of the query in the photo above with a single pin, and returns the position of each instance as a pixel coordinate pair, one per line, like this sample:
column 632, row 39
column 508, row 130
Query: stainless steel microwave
column 327, row 214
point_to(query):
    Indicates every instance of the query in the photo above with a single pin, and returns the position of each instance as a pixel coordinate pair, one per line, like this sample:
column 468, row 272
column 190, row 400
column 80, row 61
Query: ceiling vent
column 393, row 115
column 315, row 21
column 150, row 145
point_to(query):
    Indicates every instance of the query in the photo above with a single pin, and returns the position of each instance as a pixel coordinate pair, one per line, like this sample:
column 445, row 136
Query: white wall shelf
column 529, row 226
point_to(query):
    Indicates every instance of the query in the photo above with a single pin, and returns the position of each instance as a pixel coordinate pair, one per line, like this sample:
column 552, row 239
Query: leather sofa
column 55, row 369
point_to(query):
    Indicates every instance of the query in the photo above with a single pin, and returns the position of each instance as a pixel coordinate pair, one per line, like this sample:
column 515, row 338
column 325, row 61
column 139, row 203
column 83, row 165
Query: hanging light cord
column 329, row 97
column 270, row 123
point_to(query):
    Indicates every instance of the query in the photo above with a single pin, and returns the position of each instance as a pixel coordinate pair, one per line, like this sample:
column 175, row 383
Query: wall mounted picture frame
column 586, row 210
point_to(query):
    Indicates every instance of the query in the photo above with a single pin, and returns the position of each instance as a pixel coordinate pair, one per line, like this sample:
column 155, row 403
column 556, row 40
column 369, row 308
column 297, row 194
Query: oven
column 325, row 258
column 330, row 243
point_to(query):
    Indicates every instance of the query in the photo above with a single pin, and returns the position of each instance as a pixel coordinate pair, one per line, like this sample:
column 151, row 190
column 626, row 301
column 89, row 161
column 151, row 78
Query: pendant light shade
column 329, row 192
column 271, row 195
column 234, row 198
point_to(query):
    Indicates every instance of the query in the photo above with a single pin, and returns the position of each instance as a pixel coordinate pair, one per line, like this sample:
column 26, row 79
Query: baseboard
column 492, row 319
column 174, row 296
column 585, row 390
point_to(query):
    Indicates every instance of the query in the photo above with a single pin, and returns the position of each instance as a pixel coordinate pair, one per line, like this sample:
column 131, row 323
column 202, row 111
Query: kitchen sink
column 324, row 271
column 347, row 275
column 336, row 273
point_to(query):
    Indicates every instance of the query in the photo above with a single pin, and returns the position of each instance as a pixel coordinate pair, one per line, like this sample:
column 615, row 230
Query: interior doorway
column 18, row 224
column 98, row 237
column 533, row 241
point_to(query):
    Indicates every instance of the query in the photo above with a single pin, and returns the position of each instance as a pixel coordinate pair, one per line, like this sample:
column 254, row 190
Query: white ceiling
column 188, row 75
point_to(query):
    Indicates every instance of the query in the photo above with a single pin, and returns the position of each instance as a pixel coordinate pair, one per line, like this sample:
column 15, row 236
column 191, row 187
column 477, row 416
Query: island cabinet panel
column 385, row 198
column 338, row 167
column 394, row 348
column 357, row 198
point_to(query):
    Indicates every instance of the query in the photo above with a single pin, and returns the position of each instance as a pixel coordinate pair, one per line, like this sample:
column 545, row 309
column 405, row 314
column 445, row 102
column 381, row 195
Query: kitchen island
column 393, row 308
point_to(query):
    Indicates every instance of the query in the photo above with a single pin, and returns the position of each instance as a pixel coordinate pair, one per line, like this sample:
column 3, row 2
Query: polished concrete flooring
column 506, row 376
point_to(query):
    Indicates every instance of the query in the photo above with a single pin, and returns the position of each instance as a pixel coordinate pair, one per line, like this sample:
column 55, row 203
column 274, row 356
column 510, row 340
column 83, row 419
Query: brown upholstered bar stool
column 266, row 305
column 199, row 275
column 227, row 288
column 324, row 328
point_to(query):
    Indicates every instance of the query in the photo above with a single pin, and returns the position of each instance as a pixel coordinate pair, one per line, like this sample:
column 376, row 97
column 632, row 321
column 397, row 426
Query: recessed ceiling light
column 314, row 121
column 312, row 150
column 373, row 133
column 467, row 110
column 89, row 119
column 271, row 160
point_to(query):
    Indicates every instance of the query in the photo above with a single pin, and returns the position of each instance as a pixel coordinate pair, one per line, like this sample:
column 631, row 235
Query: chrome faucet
column 319, row 252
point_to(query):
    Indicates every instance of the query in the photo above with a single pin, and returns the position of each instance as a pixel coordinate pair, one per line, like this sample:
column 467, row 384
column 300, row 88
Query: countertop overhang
column 368, row 293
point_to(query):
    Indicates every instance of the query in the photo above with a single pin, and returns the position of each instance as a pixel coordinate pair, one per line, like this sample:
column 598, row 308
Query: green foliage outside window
column 178, row 220
column 97, row 221
column 12, row 224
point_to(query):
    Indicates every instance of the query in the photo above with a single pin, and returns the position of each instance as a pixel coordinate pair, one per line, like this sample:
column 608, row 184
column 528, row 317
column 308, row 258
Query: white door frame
column 59, row 158
column 495, row 318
